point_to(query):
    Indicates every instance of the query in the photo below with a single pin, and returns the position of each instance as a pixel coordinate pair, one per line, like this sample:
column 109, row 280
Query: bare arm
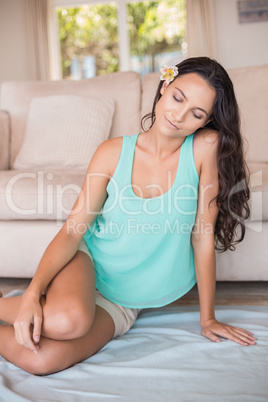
column 88, row 204
column 203, row 236
column 204, row 254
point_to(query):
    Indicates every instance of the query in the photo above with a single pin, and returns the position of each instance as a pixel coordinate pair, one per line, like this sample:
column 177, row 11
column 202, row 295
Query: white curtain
column 201, row 28
column 43, row 55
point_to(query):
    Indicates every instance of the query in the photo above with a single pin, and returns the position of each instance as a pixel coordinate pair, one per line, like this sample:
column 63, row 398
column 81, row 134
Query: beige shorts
column 123, row 317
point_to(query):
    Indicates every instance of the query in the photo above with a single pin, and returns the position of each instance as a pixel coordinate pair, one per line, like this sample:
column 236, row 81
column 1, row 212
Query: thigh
column 67, row 353
column 56, row 355
column 75, row 283
column 73, row 288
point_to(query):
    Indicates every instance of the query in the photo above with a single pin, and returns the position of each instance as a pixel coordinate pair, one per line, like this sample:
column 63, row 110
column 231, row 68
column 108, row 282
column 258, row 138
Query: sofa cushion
column 251, row 88
column 38, row 194
column 123, row 87
column 259, row 191
column 4, row 139
column 64, row 131
column 149, row 88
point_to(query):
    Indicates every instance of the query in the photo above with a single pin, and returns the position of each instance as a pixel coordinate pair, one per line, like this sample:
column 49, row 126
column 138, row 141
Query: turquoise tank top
column 142, row 247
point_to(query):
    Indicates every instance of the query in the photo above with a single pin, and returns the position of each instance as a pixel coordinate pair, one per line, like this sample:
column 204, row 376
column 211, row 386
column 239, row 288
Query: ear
column 163, row 88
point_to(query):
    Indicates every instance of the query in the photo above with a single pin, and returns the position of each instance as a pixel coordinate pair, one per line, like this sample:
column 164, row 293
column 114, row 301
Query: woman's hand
column 212, row 328
column 28, row 322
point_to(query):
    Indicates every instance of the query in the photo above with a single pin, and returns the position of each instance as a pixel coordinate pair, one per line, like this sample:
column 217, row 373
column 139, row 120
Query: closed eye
column 180, row 101
column 197, row 117
column 176, row 99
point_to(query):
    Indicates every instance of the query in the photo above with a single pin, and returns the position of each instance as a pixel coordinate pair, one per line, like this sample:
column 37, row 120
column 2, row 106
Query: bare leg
column 69, row 306
column 56, row 355
column 73, row 327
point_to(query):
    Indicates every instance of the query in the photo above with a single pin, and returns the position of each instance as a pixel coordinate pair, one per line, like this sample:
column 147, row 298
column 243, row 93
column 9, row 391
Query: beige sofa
column 35, row 202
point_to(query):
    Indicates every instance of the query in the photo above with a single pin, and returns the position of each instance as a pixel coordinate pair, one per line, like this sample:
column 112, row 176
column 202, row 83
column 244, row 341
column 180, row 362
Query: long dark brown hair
column 233, row 172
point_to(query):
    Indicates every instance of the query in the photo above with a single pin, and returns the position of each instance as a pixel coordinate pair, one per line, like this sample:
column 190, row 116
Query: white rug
column 162, row 358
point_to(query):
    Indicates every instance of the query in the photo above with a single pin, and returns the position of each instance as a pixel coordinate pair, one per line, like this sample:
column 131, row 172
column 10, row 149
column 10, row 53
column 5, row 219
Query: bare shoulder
column 207, row 210
column 206, row 144
column 205, row 149
column 207, row 138
column 107, row 154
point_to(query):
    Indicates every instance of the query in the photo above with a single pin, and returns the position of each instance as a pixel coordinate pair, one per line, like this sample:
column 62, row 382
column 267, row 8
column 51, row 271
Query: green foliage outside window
column 89, row 30
column 154, row 27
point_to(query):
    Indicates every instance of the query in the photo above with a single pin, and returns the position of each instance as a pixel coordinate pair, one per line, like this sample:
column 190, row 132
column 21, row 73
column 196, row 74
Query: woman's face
column 186, row 105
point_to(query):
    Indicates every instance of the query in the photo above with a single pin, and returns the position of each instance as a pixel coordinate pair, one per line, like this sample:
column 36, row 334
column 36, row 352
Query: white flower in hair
column 168, row 73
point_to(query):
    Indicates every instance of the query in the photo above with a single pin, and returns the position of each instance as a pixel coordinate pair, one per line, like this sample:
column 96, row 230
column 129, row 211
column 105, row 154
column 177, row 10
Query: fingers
column 210, row 335
column 241, row 336
column 244, row 332
column 235, row 334
column 37, row 329
column 23, row 336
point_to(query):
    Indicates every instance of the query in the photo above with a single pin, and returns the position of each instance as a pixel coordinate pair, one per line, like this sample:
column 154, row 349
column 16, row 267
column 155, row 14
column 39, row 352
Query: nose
column 179, row 114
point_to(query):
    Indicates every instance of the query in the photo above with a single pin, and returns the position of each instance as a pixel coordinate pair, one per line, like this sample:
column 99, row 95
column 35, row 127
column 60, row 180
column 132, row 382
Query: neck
column 159, row 145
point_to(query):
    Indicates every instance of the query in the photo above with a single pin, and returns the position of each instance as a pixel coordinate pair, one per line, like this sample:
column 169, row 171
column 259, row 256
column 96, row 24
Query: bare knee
column 44, row 363
column 70, row 323
column 40, row 366
column 74, row 324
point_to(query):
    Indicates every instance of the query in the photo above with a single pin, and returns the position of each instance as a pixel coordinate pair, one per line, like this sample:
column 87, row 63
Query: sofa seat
column 259, row 191
column 43, row 195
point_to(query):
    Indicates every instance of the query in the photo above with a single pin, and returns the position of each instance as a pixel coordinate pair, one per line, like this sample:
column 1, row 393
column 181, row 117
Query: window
column 88, row 40
column 106, row 37
column 157, row 34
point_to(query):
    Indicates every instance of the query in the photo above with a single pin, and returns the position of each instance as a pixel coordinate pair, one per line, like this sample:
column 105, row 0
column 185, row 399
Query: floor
column 227, row 293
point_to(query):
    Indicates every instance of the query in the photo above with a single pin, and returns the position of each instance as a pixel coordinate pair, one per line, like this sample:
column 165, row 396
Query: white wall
column 239, row 45
column 13, row 41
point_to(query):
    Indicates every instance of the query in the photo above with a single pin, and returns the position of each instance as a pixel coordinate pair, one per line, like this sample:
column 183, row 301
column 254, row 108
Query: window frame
column 123, row 36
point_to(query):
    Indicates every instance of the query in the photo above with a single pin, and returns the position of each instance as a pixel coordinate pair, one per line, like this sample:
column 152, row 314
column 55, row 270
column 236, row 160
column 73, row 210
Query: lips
column 171, row 124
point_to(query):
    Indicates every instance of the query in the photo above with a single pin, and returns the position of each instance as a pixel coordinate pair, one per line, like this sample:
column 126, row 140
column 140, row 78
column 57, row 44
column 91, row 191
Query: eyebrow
column 183, row 94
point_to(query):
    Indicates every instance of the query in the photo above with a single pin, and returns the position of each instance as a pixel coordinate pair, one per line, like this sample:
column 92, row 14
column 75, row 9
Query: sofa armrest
column 4, row 140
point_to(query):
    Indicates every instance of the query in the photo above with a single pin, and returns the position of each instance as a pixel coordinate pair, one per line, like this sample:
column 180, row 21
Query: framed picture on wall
column 252, row 11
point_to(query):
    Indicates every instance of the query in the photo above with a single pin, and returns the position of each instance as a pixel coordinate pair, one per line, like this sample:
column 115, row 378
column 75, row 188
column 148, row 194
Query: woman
column 143, row 230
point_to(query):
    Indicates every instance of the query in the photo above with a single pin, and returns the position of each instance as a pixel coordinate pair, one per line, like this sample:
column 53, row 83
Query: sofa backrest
column 133, row 102
column 124, row 87
column 251, row 88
